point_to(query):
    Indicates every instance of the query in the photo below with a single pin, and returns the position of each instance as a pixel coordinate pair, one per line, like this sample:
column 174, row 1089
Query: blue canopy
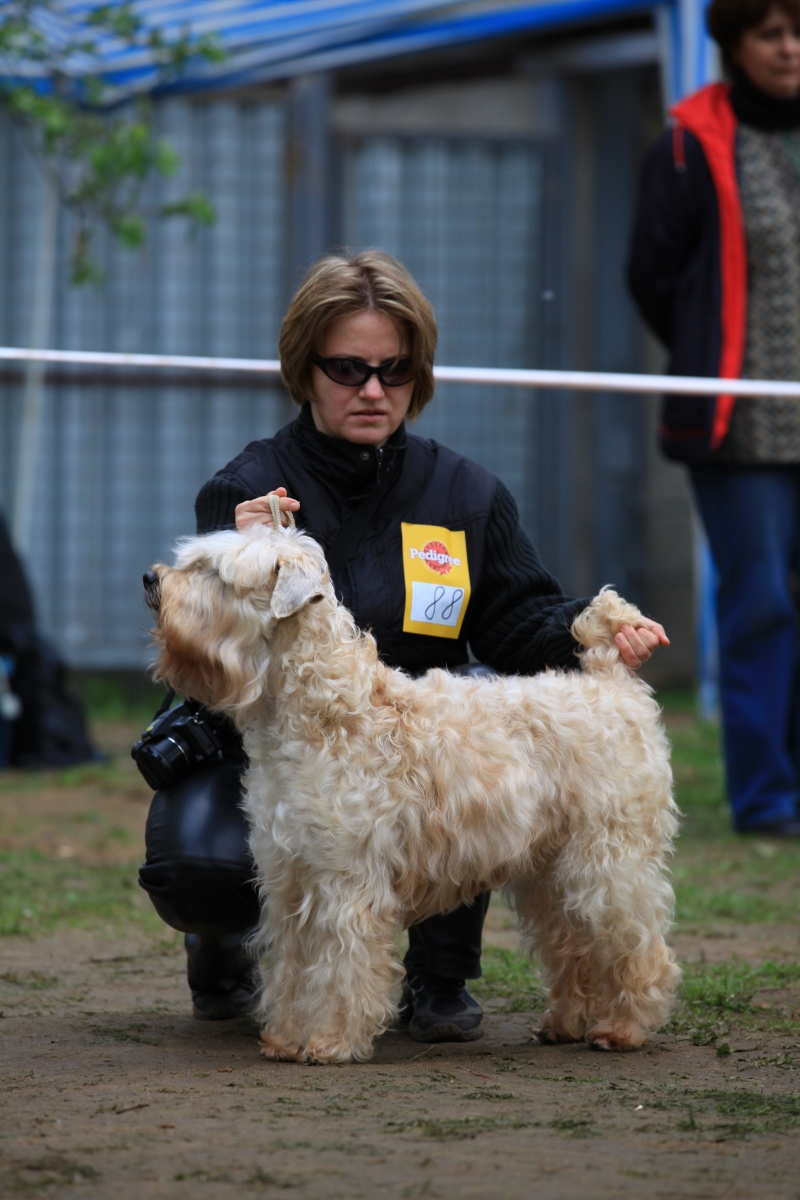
column 265, row 41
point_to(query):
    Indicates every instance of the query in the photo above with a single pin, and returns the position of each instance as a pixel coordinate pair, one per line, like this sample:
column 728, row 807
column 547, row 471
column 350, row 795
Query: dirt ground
column 111, row 1089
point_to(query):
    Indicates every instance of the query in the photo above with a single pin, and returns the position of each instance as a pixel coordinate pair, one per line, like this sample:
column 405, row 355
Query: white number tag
column 436, row 604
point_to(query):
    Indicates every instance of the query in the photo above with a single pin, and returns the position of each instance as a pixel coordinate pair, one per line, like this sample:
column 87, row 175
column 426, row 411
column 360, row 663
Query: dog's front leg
column 330, row 990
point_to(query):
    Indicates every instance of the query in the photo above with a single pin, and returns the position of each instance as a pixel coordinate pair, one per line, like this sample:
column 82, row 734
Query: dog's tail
column 596, row 627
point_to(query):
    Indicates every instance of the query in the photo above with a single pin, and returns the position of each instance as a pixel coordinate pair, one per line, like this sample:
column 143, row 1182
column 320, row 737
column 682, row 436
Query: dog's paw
column 333, row 1053
column 309, row 1056
column 547, row 1036
column 609, row 1039
column 275, row 1051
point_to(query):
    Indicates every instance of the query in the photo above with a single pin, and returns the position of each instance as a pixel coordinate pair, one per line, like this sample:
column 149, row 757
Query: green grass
column 51, row 1170
column 744, row 903
column 118, row 696
column 720, row 876
column 457, row 1128
column 509, row 976
column 461, row 1128
column 40, row 894
column 112, row 775
column 744, row 1112
column 715, row 1001
column 697, row 764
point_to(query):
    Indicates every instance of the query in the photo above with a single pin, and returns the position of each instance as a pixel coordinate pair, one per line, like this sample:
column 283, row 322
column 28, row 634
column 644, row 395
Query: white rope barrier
column 180, row 362
column 591, row 381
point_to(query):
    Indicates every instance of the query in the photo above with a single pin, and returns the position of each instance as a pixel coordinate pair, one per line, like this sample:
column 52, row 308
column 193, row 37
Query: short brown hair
column 337, row 286
column 727, row 20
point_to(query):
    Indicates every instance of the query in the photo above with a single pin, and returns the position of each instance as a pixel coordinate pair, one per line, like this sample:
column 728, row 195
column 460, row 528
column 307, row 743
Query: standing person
column 715, row 269
column 390, row 510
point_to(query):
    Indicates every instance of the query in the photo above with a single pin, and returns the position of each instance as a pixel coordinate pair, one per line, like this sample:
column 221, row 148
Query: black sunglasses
column 352, row 372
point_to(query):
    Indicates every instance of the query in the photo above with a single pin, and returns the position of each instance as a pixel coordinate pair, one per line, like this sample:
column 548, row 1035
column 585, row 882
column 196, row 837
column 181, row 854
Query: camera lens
column 162, row 762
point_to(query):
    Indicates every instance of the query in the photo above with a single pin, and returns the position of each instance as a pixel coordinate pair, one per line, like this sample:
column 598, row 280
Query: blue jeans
column 752, row 519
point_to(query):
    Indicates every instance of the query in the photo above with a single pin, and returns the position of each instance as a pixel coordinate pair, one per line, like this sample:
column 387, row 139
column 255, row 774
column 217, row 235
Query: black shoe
column 222, row 977
column 239, row 1001
column 434, row 1008
column 789, row 827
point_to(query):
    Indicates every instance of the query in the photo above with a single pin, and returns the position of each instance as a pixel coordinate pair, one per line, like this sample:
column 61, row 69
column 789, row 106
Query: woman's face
column 769, row 54
column 368, row 414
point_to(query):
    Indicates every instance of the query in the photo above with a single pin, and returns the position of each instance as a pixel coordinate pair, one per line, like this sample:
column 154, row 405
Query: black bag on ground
column 50, row 730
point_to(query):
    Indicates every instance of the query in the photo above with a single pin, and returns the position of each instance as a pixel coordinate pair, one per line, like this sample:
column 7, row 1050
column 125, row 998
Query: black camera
column 179, row 739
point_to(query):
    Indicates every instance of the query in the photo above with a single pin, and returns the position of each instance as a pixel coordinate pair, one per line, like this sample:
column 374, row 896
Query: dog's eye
column 277, row 567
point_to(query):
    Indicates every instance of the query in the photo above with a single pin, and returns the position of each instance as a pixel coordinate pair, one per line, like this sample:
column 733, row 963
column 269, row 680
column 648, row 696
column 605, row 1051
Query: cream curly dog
column 376, row 800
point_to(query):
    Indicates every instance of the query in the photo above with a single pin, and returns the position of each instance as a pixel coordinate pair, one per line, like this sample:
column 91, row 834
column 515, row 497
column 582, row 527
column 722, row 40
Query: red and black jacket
column 687, row 268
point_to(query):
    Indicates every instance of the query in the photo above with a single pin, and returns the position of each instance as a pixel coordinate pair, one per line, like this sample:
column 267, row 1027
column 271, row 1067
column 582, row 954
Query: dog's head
column 218, row 607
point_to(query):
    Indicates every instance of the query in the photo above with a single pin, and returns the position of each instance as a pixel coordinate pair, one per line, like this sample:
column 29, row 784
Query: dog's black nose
column 152, row 590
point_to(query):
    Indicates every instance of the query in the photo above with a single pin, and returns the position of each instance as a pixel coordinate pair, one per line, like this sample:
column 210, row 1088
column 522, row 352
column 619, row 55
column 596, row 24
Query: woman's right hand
column 257, row 512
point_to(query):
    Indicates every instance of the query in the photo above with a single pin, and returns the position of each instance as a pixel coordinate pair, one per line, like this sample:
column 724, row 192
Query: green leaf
column 129, row 229
column 166, row 159
column 196, row 206
column 99, row 159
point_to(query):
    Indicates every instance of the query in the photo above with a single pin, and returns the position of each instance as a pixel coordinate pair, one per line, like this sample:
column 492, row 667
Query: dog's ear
column 296, row 586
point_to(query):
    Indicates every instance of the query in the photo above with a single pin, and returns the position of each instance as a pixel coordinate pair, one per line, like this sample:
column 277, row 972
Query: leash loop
column 275, row 509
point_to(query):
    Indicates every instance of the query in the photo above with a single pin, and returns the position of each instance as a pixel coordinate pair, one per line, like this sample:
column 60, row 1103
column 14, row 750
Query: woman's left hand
column 636, row 645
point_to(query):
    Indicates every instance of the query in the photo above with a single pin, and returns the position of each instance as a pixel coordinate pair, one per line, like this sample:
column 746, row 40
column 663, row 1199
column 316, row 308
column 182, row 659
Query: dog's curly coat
column 376, row 800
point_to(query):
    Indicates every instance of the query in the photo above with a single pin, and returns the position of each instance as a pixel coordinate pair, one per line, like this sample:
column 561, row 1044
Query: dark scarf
column 759, row 109
column 347, row 468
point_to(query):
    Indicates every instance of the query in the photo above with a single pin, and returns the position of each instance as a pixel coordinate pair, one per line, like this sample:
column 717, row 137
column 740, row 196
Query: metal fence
column 119, row 461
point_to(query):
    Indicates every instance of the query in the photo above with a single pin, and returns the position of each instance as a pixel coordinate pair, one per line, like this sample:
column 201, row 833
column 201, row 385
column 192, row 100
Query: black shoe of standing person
column 434, row 1008
column 223, row 980
column 788, row 827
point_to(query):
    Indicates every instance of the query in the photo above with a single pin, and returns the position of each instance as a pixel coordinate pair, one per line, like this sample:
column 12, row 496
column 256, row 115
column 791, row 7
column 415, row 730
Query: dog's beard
column 152, row 596
column 210, row 650
column 183, row 663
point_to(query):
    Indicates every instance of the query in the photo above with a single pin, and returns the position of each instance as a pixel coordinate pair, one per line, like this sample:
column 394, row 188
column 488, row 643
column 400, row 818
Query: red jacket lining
column 708, row 115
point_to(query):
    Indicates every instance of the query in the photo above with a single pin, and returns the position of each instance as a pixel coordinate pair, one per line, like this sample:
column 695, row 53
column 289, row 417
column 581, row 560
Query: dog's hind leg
column 598, row 919
column 635, row 975
column 330, row 992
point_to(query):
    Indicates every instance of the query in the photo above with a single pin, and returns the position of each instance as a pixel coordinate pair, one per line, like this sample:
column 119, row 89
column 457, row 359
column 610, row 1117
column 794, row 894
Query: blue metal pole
column 691, row 61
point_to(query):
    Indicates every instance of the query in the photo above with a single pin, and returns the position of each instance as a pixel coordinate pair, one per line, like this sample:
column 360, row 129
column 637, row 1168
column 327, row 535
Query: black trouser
column 199, row 874
column 449, row 944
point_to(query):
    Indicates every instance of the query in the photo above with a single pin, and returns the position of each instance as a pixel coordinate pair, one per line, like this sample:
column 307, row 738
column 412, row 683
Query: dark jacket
column 687, row 268
column 517, row 619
